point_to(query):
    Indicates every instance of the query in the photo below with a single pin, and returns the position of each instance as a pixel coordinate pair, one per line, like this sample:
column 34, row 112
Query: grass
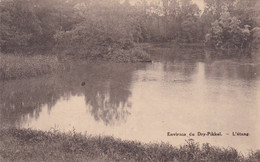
column 13, row 66
column 30, row 145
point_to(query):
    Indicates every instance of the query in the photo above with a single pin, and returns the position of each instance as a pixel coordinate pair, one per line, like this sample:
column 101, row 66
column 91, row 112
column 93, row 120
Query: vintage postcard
column 130, row 80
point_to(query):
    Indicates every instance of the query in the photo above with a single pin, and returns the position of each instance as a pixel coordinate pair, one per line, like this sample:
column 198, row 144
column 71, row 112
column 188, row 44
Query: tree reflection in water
column 26, row 97
column 107, row 91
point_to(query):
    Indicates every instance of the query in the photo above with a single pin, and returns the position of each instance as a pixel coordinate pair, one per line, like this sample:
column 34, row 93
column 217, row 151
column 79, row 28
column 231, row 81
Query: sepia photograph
column 130, row 80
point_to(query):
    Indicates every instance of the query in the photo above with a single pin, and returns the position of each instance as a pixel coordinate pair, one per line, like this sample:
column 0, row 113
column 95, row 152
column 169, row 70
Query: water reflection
column 106, row 91
column 108, row 96
column 233, row 69
column 22, row 97
column 142, row 101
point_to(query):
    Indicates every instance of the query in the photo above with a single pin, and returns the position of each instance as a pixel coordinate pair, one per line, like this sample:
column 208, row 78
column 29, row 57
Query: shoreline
column 35, row 145
column 15, row 66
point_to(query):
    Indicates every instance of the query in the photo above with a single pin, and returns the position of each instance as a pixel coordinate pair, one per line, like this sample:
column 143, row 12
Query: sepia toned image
column 130, row 80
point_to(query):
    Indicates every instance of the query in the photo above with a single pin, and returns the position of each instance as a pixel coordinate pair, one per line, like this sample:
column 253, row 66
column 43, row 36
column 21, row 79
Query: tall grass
column 13, row 66
column 29, row 145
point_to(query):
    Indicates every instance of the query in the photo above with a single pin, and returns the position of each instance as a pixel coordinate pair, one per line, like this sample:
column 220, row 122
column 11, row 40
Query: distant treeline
column 106, row 27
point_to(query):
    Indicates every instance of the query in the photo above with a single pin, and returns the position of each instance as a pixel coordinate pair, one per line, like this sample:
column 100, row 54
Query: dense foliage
column 232, row 24
column 227, row 33
column 89, row 28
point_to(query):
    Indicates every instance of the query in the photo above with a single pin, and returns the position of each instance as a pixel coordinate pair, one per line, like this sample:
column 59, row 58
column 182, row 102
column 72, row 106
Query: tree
column 189, row 24
column 213, row 10
column 226, row 33
column 30, row 25
column 18, row 24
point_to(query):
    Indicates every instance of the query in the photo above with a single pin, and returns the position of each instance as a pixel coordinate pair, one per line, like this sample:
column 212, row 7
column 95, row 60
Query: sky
column 200, row 3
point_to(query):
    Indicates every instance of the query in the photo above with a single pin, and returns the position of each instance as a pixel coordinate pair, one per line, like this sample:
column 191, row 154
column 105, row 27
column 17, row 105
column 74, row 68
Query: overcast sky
column 200, row 3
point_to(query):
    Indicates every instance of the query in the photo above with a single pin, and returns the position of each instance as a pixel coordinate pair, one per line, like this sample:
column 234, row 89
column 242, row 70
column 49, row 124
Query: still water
column 143, row 101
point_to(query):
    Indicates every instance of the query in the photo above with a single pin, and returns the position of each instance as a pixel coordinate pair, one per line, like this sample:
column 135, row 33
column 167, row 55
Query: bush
column 256, row 38
column 255, row 46
column 226, row 33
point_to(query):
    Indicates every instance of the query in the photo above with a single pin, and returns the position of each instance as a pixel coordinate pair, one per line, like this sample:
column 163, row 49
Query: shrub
column 255, row 46
column 226, row 33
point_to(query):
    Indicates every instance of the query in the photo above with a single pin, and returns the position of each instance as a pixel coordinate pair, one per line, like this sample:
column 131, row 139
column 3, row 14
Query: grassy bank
column 18, row 66
column 29, row 145
column 119, row 55
column 13, row 66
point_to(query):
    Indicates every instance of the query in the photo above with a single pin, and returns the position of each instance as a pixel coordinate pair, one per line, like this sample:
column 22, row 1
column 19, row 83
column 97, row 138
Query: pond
column 143, row 101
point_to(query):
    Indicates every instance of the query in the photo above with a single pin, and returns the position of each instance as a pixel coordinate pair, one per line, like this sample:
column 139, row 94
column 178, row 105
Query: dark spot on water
column 83, row 83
